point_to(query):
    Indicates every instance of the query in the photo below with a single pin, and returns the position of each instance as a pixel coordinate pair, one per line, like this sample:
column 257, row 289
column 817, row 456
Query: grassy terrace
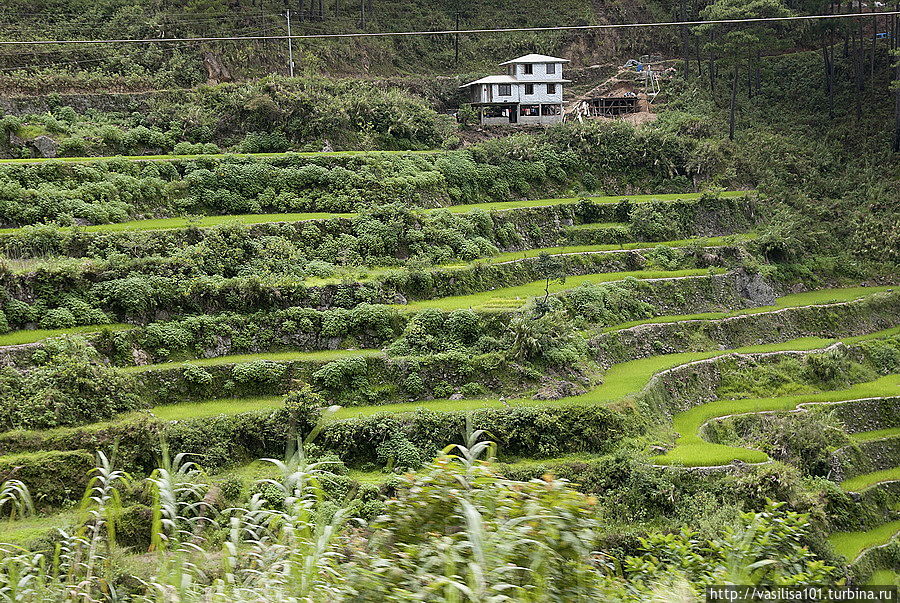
column 22, row 531
column 32, row 335
column 794, row 300
column 211, row 156
column 209, row 221
column 819, row 297
column 884, row 577
column 511, row 256
column 852, row 544
column 202, row 222
column 692, row 450
column 365, row 274
column 867, row 480
column 317, row 356
column 621, row 380
column 513, row 297
column 871, row 436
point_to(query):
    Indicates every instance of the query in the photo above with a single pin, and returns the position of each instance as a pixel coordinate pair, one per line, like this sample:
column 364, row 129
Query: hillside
column 315, row 339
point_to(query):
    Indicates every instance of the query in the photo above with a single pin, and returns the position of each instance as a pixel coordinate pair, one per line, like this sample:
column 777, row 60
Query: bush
column 69, row 386
column 258, row 371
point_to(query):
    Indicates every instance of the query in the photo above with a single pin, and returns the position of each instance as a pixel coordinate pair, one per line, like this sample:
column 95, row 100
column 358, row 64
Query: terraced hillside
column 573, row 330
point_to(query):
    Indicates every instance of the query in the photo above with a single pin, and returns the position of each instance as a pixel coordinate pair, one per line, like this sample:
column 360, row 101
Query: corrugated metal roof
column 493, row 79
column 508, row 79
column 536, row 58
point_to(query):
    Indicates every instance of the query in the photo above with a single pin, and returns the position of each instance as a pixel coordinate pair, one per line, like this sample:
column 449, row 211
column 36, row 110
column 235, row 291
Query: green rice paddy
column 871, row 436
column 510, row 256
column 209, row 221
column 513, row 297
column 316, row 356
column 23, row 531
column 884, row 577
column 368, row 273
column 32, row 335
column 852, row 544
column 867, row 480
column 809, row 298
column 621, row 380
column 692, row 450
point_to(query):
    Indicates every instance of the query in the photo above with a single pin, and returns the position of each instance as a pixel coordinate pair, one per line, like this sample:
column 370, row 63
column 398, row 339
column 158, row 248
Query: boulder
column 553, row 389
column 45, row 146
column 755, row 288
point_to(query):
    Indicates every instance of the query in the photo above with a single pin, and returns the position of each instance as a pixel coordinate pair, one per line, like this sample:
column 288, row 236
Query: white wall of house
column 539, row 93
column 539, row 71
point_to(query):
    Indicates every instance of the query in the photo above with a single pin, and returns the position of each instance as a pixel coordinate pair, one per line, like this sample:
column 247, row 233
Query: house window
column 550, row 109
column 504, row 89
column 551, row 68
column 529, row 88
column 551, row 88
column 527, row 68
column 530, row 110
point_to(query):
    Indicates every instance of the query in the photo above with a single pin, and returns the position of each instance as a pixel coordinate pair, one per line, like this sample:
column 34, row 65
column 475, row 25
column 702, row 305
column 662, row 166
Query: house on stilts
column 531, row 92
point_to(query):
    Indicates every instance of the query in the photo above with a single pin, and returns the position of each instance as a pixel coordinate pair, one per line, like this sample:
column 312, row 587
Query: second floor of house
column 535, row 67
column 504, row 89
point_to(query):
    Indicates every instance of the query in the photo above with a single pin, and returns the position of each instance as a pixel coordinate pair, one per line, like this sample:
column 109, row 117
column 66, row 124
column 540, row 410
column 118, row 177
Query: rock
column 216, row 71
column 553, row 389
column 456, row 396
column 221, row 347
column 46, row 146
column 400, row 299
column 756, row 289
column 327, row 148
column 710, row 259
column 140, row 357
column 658, row 450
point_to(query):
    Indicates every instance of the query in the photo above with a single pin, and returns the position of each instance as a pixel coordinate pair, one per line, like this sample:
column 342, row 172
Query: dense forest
column 328, row 338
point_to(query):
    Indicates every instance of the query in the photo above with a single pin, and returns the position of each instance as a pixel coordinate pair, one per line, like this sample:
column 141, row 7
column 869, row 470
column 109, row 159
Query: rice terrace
column 429, row 301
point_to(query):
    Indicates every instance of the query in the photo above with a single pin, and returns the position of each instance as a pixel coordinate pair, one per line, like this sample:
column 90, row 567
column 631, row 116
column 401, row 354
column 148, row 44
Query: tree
column 895, row 146
column 732, row 42
column 551, row 268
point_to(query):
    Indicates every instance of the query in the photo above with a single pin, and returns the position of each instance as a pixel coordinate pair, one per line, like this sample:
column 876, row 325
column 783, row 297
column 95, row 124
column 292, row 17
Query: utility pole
column 290, row 44
column 456, row 40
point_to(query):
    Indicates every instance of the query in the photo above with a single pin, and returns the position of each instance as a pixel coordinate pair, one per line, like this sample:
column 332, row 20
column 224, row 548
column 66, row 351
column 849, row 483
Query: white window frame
column 501, row 87
column 551, row 89
column 551, row 68
column 529, row 89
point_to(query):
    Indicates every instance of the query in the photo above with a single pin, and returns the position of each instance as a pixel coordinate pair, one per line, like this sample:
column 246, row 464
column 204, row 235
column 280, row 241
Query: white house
column 531, row 92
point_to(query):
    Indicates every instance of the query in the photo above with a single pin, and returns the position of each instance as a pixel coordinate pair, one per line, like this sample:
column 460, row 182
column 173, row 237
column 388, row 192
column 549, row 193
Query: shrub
column 196, row 375
column 58, row 318
column 69, row 386
column 258, row 371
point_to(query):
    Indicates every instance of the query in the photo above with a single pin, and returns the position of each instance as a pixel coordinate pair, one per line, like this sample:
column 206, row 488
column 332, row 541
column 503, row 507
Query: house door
column 514, row 114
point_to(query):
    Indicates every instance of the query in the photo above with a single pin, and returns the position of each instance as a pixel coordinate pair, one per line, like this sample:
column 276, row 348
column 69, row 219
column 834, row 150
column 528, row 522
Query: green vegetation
column 33, row 335
column 867, row 480
column 793, row 300
column 680, row 330
column 868, row 436
column 851, row 544
column 692, row 450
column 512, row 297
column 319, row 356
column 620, row 381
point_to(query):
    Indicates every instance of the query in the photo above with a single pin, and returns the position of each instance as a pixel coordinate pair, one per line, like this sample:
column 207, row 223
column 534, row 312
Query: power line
column 382, row 34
